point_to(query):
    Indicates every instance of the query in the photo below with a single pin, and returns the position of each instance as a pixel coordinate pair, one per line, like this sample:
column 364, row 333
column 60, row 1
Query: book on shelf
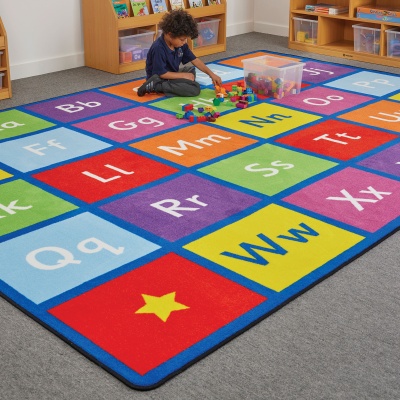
column 139, row 8
column 382, row 14
column 338, row 10
column 326, row 8
column 177, row 4
column 120, row 8
column 213, row 2
column 380, row 11
column 322, row 9
column 159, row 6
column 311, row 7
column 195, row 3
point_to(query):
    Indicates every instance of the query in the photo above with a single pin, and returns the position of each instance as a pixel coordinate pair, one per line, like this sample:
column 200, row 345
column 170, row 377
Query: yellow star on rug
column 161, row 306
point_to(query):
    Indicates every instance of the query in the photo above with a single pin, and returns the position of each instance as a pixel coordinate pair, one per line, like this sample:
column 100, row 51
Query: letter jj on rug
column 148, row 234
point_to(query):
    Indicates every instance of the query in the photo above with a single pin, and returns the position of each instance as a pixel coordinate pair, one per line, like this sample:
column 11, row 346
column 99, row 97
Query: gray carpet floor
column 339, row 340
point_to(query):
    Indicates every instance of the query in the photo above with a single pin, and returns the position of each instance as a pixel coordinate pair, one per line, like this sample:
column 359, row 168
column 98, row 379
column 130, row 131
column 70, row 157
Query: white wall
column 271, row 16
column 240, row 17
column 46, row 35
column 43, row 36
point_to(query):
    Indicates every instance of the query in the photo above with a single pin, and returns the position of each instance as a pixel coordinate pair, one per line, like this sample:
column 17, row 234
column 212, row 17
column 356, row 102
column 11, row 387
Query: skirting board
column 46, row 66
column 239, row 29
column 272, row 29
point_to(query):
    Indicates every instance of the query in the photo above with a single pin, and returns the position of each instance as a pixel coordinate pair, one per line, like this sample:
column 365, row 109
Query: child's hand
column 216, row 80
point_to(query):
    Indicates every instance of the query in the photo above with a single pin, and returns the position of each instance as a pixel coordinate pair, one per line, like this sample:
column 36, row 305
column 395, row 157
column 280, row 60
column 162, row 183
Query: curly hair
column 179, row 23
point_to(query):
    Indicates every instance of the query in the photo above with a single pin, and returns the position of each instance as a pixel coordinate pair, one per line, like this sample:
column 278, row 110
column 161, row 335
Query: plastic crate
column 367, row 38
column 273, row 76
column 393, row 42
column 136, row 41
column 208, row 32
column 305, row 30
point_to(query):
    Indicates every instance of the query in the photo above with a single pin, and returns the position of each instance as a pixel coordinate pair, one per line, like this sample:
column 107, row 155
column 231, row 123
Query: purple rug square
column 180, row 207
column 78, row 106
column 386, row 161
column 316, row 72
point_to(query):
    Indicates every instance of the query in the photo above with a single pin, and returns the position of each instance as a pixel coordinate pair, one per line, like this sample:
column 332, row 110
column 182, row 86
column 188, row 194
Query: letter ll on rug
column 147, row 240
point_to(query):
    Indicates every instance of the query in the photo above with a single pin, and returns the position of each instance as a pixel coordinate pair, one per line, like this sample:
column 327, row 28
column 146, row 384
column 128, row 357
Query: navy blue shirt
column 161, row 59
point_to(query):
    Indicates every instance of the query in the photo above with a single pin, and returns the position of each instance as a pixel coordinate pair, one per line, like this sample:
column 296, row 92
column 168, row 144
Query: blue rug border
column 104, row 360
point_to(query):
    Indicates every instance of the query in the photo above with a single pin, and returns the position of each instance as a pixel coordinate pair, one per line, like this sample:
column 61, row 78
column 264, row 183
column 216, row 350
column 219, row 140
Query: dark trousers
column 180, row 87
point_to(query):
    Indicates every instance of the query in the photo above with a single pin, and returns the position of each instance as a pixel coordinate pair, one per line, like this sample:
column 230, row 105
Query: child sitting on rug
column 168, row 52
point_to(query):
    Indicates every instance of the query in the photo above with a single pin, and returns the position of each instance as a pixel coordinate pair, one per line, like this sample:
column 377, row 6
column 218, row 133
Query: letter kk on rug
column 147, row 240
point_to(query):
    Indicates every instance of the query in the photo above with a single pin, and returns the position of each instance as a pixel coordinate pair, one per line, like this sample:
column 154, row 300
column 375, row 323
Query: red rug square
column 337, row 139
column 149, row 315
column 105, row 175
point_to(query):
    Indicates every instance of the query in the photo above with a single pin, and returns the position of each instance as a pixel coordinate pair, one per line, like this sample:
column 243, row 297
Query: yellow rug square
column 275, row 246
column 265, row 120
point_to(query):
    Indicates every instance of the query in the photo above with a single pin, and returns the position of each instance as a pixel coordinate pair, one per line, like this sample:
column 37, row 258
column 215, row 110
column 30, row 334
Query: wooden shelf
column 102, row 29
column 335, row 33
column 5, row 90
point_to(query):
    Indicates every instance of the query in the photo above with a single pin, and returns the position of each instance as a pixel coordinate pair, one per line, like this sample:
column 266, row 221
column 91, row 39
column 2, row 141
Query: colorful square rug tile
column 147, row 241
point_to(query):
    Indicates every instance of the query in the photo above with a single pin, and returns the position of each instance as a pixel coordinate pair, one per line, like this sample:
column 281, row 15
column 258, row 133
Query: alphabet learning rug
column 148, row 241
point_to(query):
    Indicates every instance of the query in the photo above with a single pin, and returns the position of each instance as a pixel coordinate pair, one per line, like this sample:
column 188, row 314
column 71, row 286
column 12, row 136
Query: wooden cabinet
column 5, row 90
column 102, row 30
column 335, row 33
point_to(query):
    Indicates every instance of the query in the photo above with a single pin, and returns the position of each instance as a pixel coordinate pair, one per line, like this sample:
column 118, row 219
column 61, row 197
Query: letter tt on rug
column 148, row 241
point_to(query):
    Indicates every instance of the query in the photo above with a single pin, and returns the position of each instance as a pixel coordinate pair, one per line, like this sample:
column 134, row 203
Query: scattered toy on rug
column 238, row 97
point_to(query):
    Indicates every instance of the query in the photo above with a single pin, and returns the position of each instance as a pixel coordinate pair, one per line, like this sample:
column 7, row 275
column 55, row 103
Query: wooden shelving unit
column 5, row 91
column 102, row 28
column 335, row 36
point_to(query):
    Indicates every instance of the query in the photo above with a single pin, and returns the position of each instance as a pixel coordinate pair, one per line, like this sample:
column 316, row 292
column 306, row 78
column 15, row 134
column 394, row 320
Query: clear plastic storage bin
column 208, row 32
column 273, row 76
column 135, row 41
column 367, row 38
column 393, row 42
column 305, row 30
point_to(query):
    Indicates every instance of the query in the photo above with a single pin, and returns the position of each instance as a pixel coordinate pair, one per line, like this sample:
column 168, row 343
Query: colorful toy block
column 220, row 91
column 301, row 36
column 187, row 107
column 188, row 114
